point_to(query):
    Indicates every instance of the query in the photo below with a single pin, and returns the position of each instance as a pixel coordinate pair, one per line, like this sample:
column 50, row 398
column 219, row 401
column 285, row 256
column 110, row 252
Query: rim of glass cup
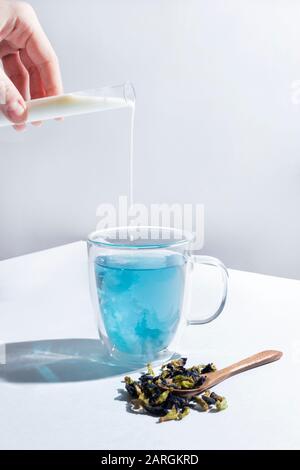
column 101, row 237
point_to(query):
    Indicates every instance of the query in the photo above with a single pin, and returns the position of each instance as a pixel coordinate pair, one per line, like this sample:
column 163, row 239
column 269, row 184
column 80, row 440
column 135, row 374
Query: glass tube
column 80, row 102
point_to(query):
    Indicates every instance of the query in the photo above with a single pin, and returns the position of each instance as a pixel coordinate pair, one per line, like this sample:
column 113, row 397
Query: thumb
column 12, row 104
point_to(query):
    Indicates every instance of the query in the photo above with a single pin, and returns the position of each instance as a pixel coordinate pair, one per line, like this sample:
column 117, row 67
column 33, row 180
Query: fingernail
column 15, row 109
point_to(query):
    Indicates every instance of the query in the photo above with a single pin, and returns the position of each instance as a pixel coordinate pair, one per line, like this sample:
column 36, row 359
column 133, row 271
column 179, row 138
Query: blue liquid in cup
column 140, row 299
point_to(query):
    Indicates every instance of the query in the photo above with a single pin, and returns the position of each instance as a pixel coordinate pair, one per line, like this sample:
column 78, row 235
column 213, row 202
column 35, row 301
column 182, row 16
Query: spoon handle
column 256, row 360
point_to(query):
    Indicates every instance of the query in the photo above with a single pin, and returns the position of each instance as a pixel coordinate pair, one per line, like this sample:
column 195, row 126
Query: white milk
column 52, row 107
column 131, row 175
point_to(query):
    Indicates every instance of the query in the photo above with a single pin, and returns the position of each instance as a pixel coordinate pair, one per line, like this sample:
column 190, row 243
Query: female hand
column 30, row 65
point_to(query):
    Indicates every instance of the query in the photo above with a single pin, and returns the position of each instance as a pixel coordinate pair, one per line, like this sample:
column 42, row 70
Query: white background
column 215, row 125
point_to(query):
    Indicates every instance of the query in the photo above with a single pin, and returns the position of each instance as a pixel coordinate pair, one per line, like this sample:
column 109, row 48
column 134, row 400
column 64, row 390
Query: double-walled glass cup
column 139, row 279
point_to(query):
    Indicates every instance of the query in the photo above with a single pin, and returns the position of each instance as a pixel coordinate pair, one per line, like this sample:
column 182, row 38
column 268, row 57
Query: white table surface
column 56, row 394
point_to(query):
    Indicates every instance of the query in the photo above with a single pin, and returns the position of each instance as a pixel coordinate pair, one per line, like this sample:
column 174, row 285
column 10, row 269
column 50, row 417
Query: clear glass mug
column 139, row 278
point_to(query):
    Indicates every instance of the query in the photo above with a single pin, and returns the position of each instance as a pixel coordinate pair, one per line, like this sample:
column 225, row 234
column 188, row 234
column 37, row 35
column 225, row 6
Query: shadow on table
column 57, row 360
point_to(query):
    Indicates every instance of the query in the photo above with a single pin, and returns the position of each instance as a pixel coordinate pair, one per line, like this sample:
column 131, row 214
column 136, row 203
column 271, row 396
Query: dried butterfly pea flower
column 200, row 381
column 197, row 369
column 185, row 384
column 131, row 390
column 183, row 381
column 164, row 375
column 146, row 393
column 175, row 364
column 172, row 414
column 146, row 378
column 216, row 397
column 154, row 395
column 221, row 404
column 156, row 410
column 175, row 415
column 209, row 368
column 208, row 400
column 150, row 370
column 177, row 401
column 184, row 413
column 144, row 401
column 162, row 398
column 203, row 405
column 132, row 387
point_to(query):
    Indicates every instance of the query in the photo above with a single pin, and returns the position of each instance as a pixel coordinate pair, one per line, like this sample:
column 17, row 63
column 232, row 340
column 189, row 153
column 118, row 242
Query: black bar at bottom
column 133, row 459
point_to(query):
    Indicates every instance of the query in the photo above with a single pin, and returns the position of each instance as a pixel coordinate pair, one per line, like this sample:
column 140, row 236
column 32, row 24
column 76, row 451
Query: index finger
column 43, row 57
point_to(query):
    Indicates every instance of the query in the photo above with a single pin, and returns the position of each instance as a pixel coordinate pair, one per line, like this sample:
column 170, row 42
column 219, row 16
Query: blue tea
column 140, row 299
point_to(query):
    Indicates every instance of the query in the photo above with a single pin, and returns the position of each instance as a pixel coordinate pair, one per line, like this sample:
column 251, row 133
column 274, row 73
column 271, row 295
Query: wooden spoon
column 213, row 378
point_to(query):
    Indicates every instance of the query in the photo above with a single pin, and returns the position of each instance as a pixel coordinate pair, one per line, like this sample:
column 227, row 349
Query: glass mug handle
column 210, row 261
